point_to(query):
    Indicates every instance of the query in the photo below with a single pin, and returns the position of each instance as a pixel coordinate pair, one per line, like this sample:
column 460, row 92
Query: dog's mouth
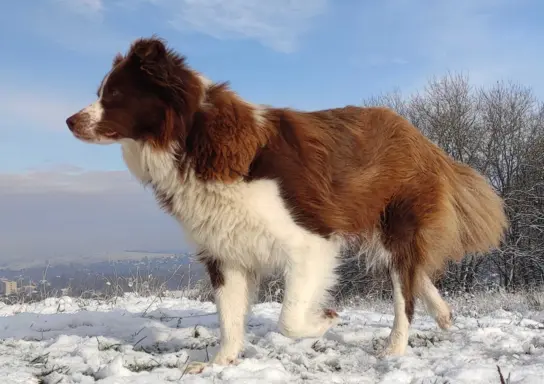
column 85, row 134
column 86, row 139
column 81, row 135
column 102, row 139
column 94, row 139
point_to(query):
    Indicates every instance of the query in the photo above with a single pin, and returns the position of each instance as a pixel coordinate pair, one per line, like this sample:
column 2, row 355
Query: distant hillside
column 174, row 270
column 84, row 259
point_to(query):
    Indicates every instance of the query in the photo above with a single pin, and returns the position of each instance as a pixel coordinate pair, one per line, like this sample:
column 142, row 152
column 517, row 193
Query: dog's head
column 149, row 94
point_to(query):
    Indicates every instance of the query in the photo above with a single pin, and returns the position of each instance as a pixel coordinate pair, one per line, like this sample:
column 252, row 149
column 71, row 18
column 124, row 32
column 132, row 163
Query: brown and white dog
column 260, row 188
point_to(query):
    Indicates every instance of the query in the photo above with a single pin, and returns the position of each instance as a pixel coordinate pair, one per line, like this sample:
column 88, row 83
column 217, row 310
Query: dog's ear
column 150, row 55
column 149, row 50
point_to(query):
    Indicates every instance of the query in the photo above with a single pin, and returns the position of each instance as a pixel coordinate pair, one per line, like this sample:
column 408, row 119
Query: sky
column 60, row 196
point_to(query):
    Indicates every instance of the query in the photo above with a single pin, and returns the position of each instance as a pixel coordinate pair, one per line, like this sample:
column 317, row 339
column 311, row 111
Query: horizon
column 62, row 197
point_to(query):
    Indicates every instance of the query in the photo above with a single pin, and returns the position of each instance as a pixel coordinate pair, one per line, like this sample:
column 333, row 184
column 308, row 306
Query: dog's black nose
column 71, row 122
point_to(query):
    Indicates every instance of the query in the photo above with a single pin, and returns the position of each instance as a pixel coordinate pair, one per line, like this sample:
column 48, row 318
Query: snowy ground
column 145, row 340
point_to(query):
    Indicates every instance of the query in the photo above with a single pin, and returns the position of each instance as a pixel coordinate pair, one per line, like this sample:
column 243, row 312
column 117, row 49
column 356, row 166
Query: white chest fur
column 243, row 222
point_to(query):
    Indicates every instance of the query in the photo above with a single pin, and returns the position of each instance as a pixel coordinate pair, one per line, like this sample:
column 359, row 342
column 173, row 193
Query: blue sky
column 306, row 54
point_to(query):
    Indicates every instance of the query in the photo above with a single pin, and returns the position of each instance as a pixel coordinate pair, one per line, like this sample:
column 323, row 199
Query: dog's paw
column 195, row 367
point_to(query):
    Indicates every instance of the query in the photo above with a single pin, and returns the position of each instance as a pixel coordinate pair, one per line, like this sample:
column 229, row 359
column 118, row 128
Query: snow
column 151, row 340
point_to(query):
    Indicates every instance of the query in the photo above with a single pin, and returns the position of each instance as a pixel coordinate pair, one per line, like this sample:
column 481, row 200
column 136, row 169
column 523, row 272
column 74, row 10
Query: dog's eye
column 115, row 93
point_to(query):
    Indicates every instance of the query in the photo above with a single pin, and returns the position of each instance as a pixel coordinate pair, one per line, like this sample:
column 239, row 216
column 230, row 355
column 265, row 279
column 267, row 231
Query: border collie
column 260, row 188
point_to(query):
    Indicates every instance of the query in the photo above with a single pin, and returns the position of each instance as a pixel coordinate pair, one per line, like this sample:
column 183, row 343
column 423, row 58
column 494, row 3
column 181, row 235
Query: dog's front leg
column 233, row 288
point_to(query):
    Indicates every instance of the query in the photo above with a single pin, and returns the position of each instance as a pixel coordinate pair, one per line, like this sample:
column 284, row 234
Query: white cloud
column 81, row 24
column 68, row 179
column 87, row 8
column 76, row 25
column 277, row 24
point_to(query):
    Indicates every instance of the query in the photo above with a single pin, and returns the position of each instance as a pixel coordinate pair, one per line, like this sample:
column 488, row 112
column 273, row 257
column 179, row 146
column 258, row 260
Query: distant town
column 150, row 273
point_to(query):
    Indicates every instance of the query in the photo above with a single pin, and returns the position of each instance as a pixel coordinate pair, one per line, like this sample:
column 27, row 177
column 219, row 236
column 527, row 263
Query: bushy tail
column 480, row 211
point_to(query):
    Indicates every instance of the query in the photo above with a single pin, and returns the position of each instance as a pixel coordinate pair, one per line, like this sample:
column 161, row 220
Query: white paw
column 195, row 367
column 444, row 320
column 326, row 321
column 395, row 345
column 316, row 326
column 226, row 359
column 392, row 351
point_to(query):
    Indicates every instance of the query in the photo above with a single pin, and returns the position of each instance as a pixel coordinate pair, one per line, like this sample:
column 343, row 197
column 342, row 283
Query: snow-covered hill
column 150, row 340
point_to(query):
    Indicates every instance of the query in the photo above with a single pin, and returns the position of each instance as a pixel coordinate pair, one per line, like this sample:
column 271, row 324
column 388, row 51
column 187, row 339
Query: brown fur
column 224, row 138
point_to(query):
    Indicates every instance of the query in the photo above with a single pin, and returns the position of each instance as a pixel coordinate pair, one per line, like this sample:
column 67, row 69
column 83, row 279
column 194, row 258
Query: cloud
column 277, row 24
column 77, row 25
column 87, row 8
column 94, row 27
column 68, row 179
column 70, row 213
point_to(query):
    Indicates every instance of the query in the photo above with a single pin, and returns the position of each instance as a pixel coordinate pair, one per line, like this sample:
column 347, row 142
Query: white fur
column 233, row 300
column 434, row 304
column 205, row 83
column 93, row 114
column 104, row 81
column 132, row 155
column 371, row 248
column 248, row 227
column 398, row 338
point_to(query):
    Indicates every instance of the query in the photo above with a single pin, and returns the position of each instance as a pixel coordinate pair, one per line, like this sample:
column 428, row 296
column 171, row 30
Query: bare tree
column 513, row 118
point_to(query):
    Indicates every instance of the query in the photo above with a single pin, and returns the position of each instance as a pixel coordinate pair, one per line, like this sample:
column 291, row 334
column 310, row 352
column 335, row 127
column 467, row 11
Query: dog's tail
column 481, row 216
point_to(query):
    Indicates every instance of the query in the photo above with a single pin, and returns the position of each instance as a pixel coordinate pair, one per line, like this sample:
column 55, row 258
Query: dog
column 260, row 188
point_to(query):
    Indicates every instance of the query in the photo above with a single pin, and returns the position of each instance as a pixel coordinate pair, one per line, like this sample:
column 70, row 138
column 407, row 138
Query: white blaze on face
column 94, row 113
column 91, row 116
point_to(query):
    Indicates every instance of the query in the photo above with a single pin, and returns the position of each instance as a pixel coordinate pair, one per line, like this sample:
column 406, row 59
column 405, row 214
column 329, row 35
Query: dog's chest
column 241, row 220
